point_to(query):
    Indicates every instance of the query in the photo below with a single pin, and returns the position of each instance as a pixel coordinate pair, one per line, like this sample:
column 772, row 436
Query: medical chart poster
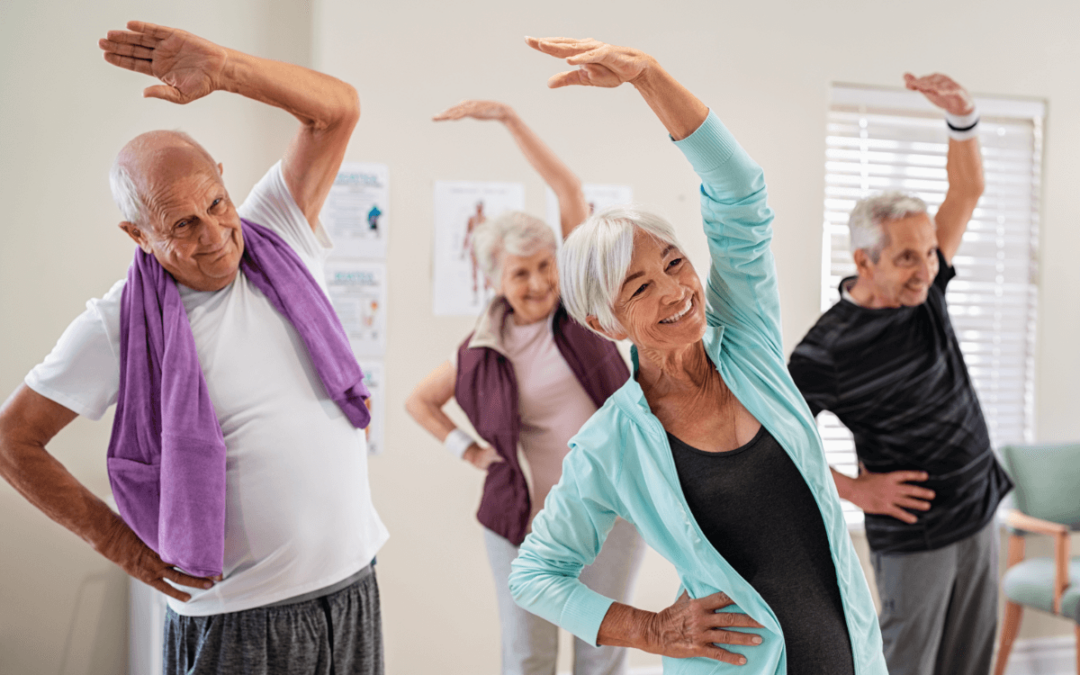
column 597, row 196
column 355, row 212
column 358, row 293
column 459, row 285
column 374, row 377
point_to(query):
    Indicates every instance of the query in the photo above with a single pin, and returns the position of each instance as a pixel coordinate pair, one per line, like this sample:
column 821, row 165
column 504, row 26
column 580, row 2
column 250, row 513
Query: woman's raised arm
column 573, row 209
column 604, row 65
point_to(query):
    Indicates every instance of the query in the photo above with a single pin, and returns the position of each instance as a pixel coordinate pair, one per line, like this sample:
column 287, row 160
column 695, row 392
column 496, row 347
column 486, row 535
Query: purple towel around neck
column 166, row 456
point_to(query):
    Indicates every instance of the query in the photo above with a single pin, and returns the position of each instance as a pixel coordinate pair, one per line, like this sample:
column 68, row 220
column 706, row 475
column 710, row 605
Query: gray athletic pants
column 339, row 633
column 529, row 643
column 939, row 608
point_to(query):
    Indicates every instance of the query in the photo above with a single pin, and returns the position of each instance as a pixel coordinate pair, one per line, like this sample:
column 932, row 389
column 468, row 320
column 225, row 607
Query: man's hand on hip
column 890, row 493
column 124, row 548
column 189, row 66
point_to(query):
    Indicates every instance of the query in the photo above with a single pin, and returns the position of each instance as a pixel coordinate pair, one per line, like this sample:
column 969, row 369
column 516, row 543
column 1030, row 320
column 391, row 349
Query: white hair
column 868, row 216
column 513, row 232
column 595, row 257
column 126, row 193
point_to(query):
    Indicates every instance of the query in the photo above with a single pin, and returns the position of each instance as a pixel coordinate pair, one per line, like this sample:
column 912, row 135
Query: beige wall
column 764, row 67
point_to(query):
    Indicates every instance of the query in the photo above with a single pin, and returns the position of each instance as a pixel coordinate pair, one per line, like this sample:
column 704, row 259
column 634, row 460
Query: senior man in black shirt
column 886, row 361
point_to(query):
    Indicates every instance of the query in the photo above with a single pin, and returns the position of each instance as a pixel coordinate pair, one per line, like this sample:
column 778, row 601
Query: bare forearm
column 966, row 184
column 563, row 182
column 431, row 417
column 626, row 626
column 46, row 484
column 679, row 110
column 316, row 99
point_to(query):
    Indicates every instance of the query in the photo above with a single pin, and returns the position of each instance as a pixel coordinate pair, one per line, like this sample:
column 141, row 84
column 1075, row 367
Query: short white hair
column 595, row 257
column 513, row 232
column 868, row 216
column 126, row 193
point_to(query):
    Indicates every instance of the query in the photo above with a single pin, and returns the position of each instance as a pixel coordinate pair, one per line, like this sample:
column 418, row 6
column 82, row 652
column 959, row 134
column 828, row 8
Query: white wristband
column 457, row 442
column 963, row 127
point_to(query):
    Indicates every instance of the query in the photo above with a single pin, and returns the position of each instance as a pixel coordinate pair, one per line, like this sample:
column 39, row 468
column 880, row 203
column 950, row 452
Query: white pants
column 529, row 643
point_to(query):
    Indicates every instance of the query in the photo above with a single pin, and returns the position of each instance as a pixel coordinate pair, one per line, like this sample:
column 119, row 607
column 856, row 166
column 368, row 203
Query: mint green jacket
column 620, row 463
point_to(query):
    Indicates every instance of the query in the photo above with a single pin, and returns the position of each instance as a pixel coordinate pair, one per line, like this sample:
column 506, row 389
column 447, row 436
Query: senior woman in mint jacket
column 709, row 449
column 528, row 376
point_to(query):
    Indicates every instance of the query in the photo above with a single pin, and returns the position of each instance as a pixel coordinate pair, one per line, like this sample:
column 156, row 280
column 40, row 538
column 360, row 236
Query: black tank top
column 757, row 511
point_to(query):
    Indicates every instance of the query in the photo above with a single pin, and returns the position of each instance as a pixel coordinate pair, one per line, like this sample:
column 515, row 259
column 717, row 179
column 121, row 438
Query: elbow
column 413, row 406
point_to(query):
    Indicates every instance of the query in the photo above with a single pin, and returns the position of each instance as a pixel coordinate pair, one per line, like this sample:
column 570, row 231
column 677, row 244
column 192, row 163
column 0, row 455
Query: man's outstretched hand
column 602, row 65
column 942, row 91
column 189, row 66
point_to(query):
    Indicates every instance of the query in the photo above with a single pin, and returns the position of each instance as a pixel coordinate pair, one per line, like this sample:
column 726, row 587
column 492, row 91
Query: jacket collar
column 491, row 325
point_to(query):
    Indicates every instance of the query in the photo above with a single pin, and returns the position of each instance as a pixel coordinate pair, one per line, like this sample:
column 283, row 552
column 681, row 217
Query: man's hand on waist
column 886, row 494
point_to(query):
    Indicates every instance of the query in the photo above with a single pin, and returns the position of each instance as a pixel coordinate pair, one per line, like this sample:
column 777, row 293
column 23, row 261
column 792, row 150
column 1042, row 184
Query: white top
column 552, row 403
column 298, row 512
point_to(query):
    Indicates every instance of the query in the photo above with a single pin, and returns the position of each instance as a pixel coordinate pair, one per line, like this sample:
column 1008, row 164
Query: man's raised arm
column 191, row 67
column 964, row 163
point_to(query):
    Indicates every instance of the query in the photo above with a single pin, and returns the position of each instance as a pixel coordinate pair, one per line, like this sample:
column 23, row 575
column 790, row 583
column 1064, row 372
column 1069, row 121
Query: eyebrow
column 635, row 275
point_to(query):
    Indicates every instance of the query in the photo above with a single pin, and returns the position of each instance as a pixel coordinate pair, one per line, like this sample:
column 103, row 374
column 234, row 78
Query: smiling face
column 530, row 284
column 192, row 227
column 661, row 304
column 907, row 266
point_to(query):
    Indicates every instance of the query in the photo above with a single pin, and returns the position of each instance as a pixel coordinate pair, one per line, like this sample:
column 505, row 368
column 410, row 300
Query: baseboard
column 1043, row 656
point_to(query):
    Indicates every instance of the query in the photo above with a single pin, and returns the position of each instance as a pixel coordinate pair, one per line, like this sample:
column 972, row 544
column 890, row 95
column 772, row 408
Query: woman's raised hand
column 694, row 627
column 601, row 64
column 478, row 110
column 942, row 91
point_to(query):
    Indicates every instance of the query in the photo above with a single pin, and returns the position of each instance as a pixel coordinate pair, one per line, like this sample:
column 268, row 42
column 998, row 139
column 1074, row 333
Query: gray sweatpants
column 335, row 634
column 529, row 643
column 939, row 608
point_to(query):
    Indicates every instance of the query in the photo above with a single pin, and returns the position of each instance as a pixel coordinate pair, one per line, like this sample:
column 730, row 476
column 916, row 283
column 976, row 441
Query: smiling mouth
column 674, row 318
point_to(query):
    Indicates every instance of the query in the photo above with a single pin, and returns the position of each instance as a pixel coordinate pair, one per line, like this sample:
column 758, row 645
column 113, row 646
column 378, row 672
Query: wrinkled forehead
column 914, row 231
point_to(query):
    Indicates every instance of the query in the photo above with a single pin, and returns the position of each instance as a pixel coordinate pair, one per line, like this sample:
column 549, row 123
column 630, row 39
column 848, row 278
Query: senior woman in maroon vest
column 528, row 377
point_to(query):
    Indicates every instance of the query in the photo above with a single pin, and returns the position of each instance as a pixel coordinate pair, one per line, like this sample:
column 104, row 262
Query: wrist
column 457, row 442
column 647, row 80
column 963, row 127
column 232, row 71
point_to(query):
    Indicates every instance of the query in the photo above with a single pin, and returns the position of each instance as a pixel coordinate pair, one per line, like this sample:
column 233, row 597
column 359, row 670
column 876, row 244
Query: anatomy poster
column 358, row 293
column 374, row 377
column 355, row 212
column 459, row 284
column 598, row 197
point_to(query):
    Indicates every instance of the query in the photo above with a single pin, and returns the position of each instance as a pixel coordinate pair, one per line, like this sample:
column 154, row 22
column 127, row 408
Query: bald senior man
column 237, row 456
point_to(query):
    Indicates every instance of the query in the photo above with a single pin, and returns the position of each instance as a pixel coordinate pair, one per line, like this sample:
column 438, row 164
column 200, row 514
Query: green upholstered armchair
column 1047, row 499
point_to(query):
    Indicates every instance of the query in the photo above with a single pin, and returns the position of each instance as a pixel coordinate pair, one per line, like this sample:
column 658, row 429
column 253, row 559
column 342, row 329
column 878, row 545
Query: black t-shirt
column 755, row 508
column 897, row 379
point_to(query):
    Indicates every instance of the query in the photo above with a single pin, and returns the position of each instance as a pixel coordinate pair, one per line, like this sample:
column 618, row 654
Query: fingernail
column 757, row 640
column 208, row 584
column 742, row 661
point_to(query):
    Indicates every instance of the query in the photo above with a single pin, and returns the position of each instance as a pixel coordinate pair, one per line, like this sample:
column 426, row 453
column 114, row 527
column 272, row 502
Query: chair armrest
column 1021, row 521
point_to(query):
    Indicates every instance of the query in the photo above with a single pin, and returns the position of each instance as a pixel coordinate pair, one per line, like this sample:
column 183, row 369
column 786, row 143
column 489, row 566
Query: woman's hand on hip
column 692, row 628
column 481, row 457
column 601, row 64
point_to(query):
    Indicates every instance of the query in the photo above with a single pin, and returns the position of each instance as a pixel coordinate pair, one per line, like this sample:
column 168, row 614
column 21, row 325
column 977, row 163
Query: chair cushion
column 1031, row 583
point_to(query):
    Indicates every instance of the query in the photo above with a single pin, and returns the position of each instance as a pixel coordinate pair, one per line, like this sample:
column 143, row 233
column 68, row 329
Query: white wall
column 764, row 67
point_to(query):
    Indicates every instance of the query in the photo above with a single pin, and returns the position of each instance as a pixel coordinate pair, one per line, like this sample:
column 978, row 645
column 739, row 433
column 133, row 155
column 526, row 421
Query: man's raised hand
column 189, row 66
column 601, row 64
column 479, row 110
column 942, row 91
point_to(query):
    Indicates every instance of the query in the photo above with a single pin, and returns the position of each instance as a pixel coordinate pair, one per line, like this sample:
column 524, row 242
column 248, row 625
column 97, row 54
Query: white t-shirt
column 298, row 513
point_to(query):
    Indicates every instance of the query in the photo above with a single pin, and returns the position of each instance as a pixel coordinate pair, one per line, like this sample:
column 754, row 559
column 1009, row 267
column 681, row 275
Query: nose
column 214, row 233
column 537, row 283
column 671, row 291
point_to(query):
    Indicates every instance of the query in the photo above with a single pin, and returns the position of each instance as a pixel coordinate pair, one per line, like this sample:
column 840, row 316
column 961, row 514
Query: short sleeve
column 271, row 205
column 82, row 372
column 946, row 272
column 814, row 372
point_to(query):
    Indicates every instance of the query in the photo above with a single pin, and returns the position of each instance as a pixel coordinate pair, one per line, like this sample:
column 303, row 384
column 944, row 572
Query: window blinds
column 878, row 140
